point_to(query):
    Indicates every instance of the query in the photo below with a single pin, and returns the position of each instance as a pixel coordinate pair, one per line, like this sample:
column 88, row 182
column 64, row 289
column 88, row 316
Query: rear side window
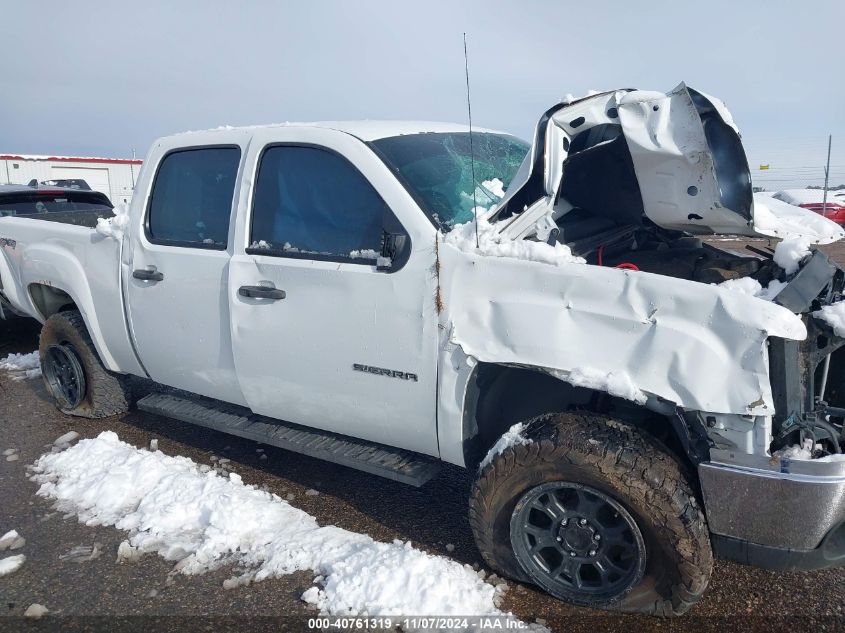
column 312, row 203
column 192, row 197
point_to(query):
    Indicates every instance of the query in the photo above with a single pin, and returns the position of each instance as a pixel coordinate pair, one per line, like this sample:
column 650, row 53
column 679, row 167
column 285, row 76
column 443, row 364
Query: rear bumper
column 782, row 514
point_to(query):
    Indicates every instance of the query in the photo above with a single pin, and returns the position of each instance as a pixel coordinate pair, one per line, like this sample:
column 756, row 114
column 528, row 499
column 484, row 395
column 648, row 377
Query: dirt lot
column 102, row 594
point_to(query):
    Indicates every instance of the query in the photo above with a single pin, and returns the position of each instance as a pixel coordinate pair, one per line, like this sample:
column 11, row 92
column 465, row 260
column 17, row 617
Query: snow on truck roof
column 366, row 130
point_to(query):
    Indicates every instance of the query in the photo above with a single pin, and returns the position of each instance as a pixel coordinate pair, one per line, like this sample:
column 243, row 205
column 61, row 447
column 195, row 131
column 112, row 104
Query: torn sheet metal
column 684, row 168
column 698, row 346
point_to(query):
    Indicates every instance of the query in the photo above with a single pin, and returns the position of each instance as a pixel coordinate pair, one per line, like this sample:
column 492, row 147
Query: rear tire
column 73, row 372
column 607, row 479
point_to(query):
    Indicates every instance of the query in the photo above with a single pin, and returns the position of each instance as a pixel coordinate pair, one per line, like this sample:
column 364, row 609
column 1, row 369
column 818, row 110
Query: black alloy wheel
column 65, row 376
column 577, row 542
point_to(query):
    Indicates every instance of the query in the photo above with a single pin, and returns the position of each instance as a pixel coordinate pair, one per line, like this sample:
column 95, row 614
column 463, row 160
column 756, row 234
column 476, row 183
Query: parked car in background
column 70, row 183
column 814, row 200
column 56, row 204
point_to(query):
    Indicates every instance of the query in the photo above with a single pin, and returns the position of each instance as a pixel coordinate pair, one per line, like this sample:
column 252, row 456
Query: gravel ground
column 102, row 594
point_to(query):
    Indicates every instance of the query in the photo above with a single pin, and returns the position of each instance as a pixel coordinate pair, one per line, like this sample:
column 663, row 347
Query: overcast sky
column 102, row 78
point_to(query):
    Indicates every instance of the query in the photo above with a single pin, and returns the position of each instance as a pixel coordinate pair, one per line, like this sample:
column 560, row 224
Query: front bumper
column 776, row 513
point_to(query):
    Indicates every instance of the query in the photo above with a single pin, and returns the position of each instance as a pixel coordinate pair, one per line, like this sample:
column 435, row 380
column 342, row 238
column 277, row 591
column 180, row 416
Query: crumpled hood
column 700, row 347
column 673, row 158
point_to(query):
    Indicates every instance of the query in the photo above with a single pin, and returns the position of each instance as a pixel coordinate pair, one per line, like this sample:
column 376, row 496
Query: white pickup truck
column 391, row 295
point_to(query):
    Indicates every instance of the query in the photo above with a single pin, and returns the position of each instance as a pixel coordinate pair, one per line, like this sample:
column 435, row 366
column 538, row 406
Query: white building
column 115, row 177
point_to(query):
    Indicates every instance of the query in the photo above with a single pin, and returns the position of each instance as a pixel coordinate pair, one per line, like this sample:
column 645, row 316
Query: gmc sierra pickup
column 392, row 295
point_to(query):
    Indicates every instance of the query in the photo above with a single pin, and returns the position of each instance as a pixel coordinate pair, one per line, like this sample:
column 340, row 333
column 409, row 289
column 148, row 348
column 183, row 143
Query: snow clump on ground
column 22, row 366
column 11, row 540
column 11, row 564
column 203, row 522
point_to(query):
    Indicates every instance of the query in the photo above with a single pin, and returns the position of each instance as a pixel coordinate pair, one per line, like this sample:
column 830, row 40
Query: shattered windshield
column 437, row 169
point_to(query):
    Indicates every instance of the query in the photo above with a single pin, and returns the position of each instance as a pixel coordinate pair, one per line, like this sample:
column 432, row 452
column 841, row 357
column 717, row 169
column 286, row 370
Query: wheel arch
column 82, row 273
column 498, row 396
column 48, row 299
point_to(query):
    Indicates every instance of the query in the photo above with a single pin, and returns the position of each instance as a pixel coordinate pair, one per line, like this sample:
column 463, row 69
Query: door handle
column 147, row 275
column 261, row 292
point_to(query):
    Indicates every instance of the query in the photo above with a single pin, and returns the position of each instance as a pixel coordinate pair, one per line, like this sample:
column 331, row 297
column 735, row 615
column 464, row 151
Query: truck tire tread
column 107, row 393
column 644, row 475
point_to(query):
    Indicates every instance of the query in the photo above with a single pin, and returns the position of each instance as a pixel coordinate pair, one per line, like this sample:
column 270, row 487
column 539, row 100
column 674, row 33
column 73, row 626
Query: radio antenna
column 471, row 149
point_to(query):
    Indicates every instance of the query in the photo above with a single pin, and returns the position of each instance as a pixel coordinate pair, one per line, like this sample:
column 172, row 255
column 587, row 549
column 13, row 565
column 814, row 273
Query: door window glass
column 312, row 203
column 192, row 194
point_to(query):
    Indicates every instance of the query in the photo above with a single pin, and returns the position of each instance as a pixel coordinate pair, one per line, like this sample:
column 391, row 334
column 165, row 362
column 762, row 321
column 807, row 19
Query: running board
column 392, row 463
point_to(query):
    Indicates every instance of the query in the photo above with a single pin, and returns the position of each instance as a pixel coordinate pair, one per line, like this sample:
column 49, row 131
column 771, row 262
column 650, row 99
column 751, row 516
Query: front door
column 325, row 333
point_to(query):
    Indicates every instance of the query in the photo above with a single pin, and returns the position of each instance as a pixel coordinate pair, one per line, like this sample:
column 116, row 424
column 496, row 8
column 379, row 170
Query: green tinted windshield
column 437, row 168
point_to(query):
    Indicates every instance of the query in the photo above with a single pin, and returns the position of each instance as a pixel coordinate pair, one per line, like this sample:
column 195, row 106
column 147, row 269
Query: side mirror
column 395, row 243
column 395, row 251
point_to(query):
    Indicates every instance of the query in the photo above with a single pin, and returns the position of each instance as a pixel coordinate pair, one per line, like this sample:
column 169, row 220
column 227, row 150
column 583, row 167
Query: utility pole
column 826, row 176
column 132, row 170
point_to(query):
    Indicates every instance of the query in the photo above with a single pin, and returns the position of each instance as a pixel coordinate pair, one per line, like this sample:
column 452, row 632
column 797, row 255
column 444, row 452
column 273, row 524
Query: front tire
column 597, row 514
column 73, row 372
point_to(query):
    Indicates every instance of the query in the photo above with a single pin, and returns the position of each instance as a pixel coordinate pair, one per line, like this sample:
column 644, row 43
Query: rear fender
column 94, row 285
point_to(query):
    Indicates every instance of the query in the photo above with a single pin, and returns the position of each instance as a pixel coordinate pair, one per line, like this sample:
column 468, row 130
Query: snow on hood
column 492, row 243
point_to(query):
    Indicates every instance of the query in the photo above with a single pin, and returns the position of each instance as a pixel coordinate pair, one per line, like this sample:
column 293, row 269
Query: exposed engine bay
column 630, row 179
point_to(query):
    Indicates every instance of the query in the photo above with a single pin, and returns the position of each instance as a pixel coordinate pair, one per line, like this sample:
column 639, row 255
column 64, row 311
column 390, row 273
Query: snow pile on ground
column 750, row 286
column 205, row 521
column 834, row 316
column 616, row 383
column 512, row 437
column 22, row 366
column 791, row 252
column 36, row 611
column 11, row 540
column 11, row 564
column 493, row 244
column 114, row 227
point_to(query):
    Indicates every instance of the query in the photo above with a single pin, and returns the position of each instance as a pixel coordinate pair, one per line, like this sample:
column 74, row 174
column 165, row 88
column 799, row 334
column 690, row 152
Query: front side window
column 312, row 203
column 192, row 194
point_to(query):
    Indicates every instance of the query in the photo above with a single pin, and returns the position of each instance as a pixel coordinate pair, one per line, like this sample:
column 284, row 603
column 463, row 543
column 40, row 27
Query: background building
column 115, row 177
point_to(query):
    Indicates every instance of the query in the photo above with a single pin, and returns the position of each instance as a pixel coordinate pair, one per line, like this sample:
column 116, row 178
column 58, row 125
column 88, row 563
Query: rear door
column 177, row 278
column 324, row 336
